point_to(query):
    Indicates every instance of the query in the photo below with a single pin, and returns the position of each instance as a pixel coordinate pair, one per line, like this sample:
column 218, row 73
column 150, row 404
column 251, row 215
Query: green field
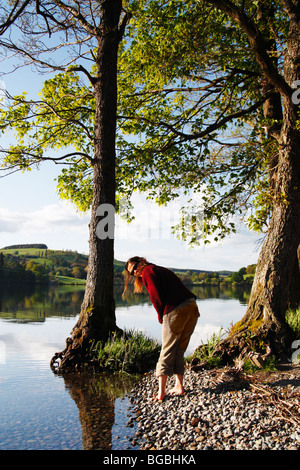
column 70, row 280
column 59, row 266
column 35, row 252
column 70, row 267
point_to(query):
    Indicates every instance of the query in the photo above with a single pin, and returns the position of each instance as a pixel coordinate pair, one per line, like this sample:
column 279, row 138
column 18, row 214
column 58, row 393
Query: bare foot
column 176, row 391
column 159, row 398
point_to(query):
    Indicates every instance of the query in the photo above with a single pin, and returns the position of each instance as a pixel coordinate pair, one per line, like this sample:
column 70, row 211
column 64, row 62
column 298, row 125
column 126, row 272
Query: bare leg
column 178, row 389
column 162, row 381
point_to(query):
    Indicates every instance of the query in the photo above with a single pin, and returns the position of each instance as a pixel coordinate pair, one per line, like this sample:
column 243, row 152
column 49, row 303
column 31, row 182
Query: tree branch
column 292, row 10
column 68, row 120
column 47, row 15
column 182, row 89
column 68, row 155
column 123, row 22
column 13, row 47
column 257, row 43
column 78, row 16
column 80, row 68
column 209, row 129
column 13, row 16
column 38, row 158
column 210, row 83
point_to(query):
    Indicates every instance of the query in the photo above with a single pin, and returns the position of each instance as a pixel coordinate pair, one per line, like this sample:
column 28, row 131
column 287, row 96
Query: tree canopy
column 196, row 105
column 190, row 109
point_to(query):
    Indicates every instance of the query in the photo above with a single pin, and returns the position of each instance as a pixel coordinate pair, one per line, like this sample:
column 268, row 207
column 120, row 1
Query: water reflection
column 219, row 306
column 95, row 397
column 222, row 291
column 40, row 410
column 35, row 303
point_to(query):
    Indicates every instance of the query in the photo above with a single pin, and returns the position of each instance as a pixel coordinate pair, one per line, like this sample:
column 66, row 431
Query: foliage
column 244, row 276
column 45, row 264
column 193, row 100
column 65, row 266
column 270, row 364
column 190, row 115
column 238, row 277
column 27, row 246
column 205, row 352
column 293, row 320
column 132, row 352
column 16, row 274
column 42, row 265
column 62, row 118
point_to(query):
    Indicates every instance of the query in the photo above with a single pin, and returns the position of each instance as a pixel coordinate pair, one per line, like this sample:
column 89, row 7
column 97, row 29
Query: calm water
column 40, row 410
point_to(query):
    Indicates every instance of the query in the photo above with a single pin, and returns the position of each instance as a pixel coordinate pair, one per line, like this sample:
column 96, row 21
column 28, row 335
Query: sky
column 32, row 212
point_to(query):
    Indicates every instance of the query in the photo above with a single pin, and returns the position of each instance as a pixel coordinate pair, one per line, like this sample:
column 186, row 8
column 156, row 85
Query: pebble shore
column 217, row 412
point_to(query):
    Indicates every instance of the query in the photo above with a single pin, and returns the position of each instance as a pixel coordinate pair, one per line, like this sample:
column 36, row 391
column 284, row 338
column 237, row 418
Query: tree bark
column 97, row 317
column 276, row 286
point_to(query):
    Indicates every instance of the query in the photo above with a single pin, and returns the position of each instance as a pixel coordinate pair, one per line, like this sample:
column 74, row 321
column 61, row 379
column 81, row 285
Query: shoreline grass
column 132, row 352
column 293, row 320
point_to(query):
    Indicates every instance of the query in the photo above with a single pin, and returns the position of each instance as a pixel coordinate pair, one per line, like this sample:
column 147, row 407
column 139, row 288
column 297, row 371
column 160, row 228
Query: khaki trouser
column 178, row 326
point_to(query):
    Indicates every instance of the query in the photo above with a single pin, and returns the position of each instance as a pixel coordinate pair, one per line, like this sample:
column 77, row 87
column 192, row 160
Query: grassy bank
column 131, row 352
column 205, row 352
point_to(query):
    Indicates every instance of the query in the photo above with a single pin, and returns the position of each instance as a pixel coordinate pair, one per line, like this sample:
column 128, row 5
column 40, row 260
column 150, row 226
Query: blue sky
column 32, row 212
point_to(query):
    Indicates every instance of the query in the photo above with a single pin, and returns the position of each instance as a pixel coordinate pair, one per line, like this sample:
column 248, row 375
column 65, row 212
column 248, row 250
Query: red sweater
column 165, row 289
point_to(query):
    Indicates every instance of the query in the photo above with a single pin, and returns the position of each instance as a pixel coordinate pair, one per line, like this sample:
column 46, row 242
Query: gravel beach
column 221, row 410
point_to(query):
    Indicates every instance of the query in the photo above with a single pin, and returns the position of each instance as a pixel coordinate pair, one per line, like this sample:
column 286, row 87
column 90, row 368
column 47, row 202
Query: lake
column 43, row 411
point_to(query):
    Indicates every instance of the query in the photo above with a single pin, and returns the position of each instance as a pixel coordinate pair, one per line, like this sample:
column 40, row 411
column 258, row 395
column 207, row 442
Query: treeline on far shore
column 37, row 264
column 244, row 276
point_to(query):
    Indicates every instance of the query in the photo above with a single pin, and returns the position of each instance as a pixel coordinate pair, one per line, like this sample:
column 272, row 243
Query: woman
column 177, row 311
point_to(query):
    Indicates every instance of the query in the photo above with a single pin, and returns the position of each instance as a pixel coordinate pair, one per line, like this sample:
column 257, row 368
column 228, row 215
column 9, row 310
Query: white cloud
column 232, row 254
column 54, row 217
column 10, row 221
column 59, row 226
column 149, row 235
column 155, row 222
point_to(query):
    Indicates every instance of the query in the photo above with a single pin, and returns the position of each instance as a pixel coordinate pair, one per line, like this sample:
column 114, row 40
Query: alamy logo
column 106, row 226
column 296, row 93
column 296, row 355
column 182, row 220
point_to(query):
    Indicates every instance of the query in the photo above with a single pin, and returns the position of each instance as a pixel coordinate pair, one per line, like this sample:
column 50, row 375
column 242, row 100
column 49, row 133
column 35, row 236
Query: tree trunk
column 97, row 317
column 276, row 286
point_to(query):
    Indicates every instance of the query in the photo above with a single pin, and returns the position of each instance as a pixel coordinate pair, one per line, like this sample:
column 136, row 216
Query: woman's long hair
column 138, row 283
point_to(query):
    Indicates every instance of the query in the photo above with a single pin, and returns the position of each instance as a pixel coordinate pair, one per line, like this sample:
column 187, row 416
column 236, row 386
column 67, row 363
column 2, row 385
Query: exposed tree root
column 245, row 345
column 77, row 354
column 71, row 359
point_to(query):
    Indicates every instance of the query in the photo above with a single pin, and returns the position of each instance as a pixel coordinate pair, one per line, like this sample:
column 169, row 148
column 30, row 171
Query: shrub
column 132, row 352
column 293, row 320
column 205, row 352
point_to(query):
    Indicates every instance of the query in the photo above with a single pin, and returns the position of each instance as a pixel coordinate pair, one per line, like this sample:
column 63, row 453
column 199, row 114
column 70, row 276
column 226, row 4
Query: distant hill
column 29, row 250
column 33, row 245
column 37, row 263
